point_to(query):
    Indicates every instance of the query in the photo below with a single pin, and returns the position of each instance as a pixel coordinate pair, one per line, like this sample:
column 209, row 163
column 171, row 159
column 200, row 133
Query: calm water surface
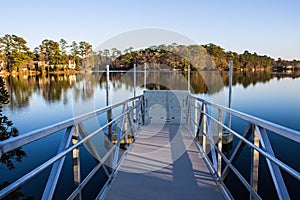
column 38, row 101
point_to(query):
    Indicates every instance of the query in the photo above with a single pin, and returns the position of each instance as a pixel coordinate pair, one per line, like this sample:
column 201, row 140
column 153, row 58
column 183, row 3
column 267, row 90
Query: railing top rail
column 278, row 129
column 37, row 134
column 63, row 153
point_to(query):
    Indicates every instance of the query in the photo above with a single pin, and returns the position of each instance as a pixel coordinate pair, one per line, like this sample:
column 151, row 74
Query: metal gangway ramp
column 178, row 152
column 164, row 161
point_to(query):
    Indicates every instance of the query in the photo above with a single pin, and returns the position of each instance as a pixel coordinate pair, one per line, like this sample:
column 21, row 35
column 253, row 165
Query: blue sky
column 268, row 27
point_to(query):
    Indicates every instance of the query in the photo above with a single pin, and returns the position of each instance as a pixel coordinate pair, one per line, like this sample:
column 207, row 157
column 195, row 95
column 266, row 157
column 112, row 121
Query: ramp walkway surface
column 164, row 161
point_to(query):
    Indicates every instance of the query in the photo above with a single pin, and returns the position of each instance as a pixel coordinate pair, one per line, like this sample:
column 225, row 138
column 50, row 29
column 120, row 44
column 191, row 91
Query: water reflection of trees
column 155, row 79
column 85, row 86
column 247, row 78
column 7, row 130
column 54, row 88
column 51, row 87
column 251, row 78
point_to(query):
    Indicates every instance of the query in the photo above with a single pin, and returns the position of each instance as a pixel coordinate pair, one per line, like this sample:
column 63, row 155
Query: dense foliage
column 203, row 57
column 199, row 57
column 14, row 52
column 51, row 55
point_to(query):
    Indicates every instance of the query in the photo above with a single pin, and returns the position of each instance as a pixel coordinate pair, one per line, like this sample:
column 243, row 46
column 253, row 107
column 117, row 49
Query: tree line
column 51, row 55
column 178, row 57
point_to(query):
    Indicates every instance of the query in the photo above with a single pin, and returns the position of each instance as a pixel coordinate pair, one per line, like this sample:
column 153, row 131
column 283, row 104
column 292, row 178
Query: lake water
column 38, row 101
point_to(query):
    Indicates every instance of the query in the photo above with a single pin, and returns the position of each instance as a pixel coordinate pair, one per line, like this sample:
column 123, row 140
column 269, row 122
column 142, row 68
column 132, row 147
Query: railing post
column 196, row 117
column 125, row 130
column 120, row 136
column 254, row 163
column 57, row 166
column 274, row 169
column 145, row 77
column 204, row 142
column 137, row 116
column 199, row 131
column 109, row 113
column 143, row 109
column 220, row 143
column 210, row 141
column 189, row 78
column 107, row 86
column 130, row 123
column 76, row 162
column 134, row 91
column 188, row 119
column 230, row 92
column 134, row 80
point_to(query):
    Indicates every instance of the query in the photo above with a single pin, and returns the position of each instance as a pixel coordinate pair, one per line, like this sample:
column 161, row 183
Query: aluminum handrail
column 32, row 136
column 284, row 166
column 280, row 130
column 257, row 127
column 21, row 140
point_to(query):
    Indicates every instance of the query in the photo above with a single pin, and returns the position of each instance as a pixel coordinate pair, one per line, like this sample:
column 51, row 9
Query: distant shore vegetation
column 63, row 57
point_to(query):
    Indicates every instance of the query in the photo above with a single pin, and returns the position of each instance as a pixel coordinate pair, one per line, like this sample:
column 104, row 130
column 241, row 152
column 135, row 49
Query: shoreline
column 5, row 73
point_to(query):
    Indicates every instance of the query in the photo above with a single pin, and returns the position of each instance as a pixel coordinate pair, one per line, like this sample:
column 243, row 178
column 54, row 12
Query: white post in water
column 145, row 76
column 189, row 78
column 230, row 92
column 109, row 112
column 107, row 87
column 134, row 79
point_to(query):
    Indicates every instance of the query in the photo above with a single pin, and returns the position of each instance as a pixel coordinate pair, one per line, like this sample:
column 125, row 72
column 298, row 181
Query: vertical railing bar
column 145, row 77
column 220, row 143
column 137, row 116
column 188, row 110
column 90, row 146
column 189, row 79
column 134, row 80
column 200, row 120
column 196, row 126
column 140, row 113
column 211, row 142
column 204, row 128
column 76, row 162
column 239, row 147
column 57, row 166
column 85, row 181
column 143, row 109
column 130, row 123
column 120, row 133
column 274, row 169
column 254, row 163
column 191, row 115
column 124, row 131
column 230, row 92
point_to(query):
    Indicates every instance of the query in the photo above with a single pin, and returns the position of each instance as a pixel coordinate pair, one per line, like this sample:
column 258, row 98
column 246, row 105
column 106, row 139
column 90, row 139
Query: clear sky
column 270, row 27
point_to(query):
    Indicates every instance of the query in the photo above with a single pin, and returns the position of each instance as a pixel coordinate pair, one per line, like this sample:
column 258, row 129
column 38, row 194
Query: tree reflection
column 7, row 131
column 54, row 88
column 16, row 194
column 85, row 86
